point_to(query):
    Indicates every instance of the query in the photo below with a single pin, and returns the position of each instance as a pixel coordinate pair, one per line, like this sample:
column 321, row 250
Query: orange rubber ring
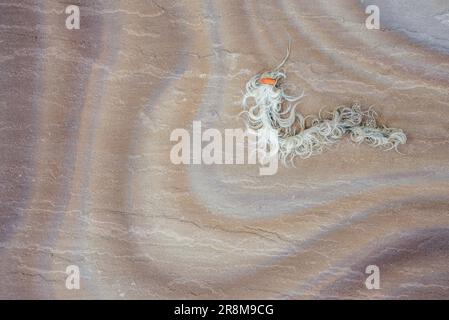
column 270, row 81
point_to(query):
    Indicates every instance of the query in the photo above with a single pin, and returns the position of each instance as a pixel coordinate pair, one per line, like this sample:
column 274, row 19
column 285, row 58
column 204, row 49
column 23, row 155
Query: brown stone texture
column 85, row 171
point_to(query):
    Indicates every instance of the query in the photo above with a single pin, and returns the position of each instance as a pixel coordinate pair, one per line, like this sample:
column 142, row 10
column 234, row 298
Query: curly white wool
column 267, row 107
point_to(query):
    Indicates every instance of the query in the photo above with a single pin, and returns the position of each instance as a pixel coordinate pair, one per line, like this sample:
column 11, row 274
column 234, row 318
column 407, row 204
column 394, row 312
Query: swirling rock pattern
column 86, row 178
